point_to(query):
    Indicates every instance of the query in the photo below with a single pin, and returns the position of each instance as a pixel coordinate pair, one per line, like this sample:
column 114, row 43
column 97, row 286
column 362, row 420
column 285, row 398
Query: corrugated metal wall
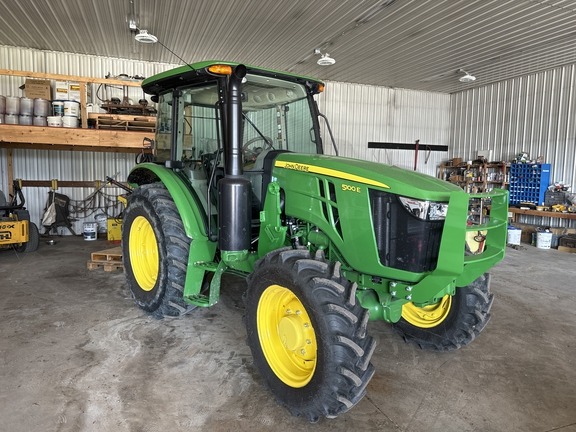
column 358, row 114
column 533, row 114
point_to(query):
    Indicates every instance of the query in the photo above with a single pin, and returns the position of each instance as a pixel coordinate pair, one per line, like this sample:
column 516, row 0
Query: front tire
column 453, row 322
column 307, row 334
column 155, row 252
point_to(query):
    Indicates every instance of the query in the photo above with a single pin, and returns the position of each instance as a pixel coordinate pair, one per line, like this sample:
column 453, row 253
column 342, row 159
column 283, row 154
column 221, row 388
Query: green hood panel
column 357, row 172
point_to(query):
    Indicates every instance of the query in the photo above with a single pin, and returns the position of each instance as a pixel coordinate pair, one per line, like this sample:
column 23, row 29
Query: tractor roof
column 198, row 73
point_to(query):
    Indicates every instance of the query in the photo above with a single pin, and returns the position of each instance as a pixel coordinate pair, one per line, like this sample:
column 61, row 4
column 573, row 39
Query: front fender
column 192, row 214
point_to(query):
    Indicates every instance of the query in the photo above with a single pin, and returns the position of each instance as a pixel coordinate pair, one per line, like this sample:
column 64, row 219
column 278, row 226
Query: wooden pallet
column 109, row 259
column 131, row 123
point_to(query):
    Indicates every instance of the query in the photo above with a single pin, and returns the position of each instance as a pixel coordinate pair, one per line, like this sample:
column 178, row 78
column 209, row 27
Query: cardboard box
column 74, row 92
column 35, row 88
column 61, row 90
column 566, row 249
column 114, row 229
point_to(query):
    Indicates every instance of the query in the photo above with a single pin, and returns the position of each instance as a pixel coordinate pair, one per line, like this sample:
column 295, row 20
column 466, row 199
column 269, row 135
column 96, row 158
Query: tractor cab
column 277, row 115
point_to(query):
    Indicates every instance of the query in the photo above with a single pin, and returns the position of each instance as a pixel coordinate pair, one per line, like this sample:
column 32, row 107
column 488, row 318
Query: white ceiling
column 414, row 44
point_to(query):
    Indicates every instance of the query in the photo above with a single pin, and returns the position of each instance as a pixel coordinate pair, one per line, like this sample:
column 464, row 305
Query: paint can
column 71, row 108
column 69, row 121
column 58, row 108
column 89, row 229
column 514, row 235
column 54, row 121
column 543, row 240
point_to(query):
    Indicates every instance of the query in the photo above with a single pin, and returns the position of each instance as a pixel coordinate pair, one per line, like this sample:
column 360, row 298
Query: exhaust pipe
column 234, row 190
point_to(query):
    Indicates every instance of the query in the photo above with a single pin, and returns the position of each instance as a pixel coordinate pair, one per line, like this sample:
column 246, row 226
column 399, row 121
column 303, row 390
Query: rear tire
column 468, row 314
column 33, row 240
column 155, row 252
column 307, row 334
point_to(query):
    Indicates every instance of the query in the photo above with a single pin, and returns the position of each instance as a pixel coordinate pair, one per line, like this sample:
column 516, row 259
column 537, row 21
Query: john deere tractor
column 239, row 184
column 16, row 230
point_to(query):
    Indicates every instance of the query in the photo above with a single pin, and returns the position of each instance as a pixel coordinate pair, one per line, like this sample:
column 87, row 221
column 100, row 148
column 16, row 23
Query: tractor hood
column 377, row 176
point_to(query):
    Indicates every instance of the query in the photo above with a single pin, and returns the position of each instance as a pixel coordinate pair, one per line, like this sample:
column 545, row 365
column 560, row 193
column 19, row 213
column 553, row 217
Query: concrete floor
column 76, row 354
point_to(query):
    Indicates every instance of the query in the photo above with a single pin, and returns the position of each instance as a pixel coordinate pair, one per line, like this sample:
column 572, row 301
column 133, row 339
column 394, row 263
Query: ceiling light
column 325, row 59
column 466, row 78
column 145, row 37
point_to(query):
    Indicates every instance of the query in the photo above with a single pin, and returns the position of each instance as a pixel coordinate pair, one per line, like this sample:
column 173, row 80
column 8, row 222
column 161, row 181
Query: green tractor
column 238, row 183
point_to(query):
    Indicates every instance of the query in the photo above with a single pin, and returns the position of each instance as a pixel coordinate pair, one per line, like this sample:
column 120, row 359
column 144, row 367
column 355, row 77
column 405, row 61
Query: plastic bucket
column 543, row 240
column 58, row 108
column 11, row 118
column 40, row 121
column 12, row 105
column 26, row 106
column 102, row 222
column 71, row 108
column 41, row 107
column 25, row 120
column 514, row 235
column 2, row 118
column 69, row 121
column 2, row 104
column 89, row 229
column 54, row 121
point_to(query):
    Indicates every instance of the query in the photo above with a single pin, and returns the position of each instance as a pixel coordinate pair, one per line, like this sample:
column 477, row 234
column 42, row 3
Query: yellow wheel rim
column 286, row 335
column 143, row 253
column 427, row 316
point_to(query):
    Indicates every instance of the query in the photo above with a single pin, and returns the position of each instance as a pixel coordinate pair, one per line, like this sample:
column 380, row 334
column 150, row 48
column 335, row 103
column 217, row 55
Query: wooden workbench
column 516, row 211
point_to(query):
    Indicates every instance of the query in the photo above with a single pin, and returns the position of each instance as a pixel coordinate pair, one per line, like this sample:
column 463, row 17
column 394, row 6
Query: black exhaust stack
column 234, row 190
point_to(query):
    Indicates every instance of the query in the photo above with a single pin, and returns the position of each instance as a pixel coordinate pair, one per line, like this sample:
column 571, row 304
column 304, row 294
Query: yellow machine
column 16, row 230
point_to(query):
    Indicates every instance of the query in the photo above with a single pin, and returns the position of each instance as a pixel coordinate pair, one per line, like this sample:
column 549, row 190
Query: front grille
column 404, row 241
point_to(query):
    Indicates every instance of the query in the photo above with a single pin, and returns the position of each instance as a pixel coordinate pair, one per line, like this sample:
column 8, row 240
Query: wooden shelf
column 60, row 138
column 81, row 139
column 559, row 215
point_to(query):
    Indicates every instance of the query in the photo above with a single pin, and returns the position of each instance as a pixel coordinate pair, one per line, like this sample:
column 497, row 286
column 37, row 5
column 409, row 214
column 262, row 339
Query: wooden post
column 83, row 113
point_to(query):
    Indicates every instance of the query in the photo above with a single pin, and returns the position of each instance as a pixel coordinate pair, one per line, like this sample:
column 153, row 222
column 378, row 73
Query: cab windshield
column 276, row 116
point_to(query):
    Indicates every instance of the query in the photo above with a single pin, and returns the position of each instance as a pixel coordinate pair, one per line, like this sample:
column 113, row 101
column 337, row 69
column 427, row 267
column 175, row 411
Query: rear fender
column 192, row 214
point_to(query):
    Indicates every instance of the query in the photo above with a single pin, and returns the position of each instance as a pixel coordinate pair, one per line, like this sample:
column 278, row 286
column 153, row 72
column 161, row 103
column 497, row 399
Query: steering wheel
column 251, row 153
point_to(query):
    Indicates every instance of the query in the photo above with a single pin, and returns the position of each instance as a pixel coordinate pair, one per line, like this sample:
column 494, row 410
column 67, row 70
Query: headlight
column 425, row 210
